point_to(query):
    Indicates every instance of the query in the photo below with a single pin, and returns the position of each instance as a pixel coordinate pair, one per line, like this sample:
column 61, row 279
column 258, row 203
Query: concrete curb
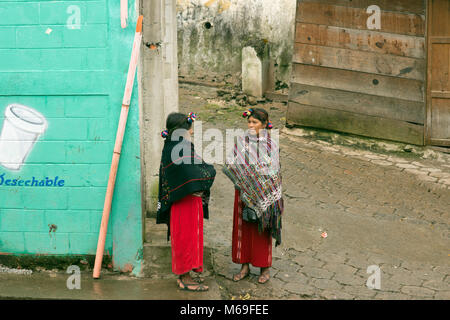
column 375, row 145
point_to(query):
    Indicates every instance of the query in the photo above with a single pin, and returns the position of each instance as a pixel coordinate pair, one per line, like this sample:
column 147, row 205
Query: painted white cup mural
column 21, row 128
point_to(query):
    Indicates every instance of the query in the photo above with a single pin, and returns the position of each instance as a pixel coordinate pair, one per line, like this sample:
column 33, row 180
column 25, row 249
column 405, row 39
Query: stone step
column 158, row 262
column 155, row 234
column 158, row 257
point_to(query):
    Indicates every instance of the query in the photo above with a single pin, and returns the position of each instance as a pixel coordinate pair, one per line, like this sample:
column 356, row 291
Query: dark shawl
column 187, row 173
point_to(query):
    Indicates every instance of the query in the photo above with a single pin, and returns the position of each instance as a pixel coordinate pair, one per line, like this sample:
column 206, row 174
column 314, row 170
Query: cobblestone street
column 389, row 209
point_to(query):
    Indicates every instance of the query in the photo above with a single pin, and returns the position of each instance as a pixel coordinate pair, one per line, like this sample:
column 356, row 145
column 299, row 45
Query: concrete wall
column 234, row 25
column 72, row 71
column 158, row 74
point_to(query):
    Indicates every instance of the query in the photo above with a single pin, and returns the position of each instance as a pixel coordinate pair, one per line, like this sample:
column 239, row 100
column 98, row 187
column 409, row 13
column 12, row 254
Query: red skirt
column 186, row 230
column 249, row 246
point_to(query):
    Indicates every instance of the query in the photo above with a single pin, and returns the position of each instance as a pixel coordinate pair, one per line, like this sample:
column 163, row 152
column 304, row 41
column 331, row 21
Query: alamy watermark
column 374, row 281
column 374, row 20
column 74, row 281
column 210, row 146
column 74, row 20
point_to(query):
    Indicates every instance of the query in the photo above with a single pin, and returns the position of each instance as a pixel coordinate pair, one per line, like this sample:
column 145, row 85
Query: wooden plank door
column 438, row 97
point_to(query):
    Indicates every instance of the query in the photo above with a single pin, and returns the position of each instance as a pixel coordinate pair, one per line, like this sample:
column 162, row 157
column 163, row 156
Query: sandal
column 198, row 279
column 188, row 287
column 239, row 276
column 264, row 277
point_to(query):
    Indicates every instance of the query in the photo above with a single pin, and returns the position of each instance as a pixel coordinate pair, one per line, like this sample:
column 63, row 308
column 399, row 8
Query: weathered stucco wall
column 212, row 33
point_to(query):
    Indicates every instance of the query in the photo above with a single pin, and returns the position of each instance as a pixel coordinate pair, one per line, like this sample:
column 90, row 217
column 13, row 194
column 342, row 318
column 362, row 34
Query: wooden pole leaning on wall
column 118, row 148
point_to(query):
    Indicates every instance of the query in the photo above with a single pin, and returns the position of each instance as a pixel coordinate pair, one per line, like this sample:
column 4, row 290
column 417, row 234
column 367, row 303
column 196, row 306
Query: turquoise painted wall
column 74, row 77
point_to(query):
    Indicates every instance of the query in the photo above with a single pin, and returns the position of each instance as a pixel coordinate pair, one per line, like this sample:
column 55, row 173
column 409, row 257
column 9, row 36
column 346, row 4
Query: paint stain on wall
column 52, row 234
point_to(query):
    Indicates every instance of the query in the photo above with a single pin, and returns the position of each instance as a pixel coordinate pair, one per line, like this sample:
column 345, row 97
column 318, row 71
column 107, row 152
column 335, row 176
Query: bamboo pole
column 118, row 148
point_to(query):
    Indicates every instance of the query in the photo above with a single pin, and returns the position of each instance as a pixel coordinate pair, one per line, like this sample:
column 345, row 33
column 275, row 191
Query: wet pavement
column 53, row 285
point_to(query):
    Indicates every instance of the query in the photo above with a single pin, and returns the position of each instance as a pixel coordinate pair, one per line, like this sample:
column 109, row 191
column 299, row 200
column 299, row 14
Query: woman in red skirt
column 184, row 184
column 258, row 205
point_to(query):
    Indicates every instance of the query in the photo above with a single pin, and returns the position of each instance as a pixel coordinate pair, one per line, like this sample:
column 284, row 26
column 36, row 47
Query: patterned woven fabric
column 254, row 168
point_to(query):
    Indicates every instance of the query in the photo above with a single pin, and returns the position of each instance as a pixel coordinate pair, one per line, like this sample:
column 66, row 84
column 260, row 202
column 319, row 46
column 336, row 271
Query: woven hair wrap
column 191, row 117
column 247, row 113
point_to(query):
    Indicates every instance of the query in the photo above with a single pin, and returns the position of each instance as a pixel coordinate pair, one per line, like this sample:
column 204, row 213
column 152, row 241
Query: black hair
column 177, row 120
column 261, row 115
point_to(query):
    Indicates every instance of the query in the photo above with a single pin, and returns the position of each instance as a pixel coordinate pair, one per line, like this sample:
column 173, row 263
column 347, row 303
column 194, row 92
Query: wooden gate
column 351, row 76
column 438, row 104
